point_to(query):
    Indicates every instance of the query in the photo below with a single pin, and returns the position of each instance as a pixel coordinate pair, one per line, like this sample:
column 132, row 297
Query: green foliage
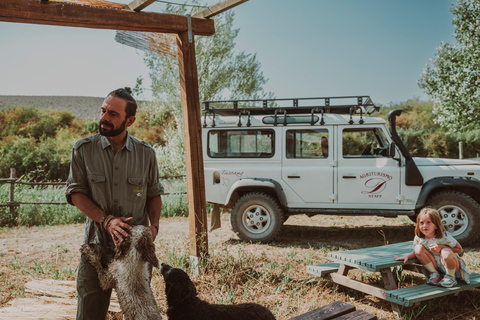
column 30, row 215
column 424, row 137
column 221, row 71
column 92, row 127
column 171, row 156
column 454, row 77
column 175, row 203
column 31, row 123
column 39, row 142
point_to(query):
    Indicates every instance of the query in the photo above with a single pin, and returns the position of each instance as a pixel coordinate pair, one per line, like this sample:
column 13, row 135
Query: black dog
column 183, row 303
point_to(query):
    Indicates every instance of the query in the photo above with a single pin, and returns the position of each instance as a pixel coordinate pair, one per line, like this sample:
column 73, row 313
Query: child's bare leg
column 450, row 261
column 425, row 257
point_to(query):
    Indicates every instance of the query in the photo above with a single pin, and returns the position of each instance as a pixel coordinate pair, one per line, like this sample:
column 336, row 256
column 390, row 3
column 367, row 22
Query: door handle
column 349, row 177
column 293, row 177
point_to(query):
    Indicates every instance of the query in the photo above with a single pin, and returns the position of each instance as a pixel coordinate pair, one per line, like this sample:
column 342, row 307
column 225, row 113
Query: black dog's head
column 178, row 286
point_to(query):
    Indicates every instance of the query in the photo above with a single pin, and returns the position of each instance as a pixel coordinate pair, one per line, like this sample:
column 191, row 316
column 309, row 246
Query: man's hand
column 119, row 229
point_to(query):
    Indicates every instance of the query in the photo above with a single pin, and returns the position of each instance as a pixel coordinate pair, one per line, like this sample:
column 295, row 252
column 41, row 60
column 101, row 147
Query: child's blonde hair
column 436, row 219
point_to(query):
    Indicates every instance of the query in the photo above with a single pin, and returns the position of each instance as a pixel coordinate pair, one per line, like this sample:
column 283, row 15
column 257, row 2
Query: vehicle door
column 307, row 168
column 365, row 173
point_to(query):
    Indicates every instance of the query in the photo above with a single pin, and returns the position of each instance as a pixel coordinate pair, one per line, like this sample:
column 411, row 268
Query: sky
column 307, row 48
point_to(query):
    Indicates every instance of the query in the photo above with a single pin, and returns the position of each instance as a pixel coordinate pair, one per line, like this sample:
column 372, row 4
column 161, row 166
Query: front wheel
column 257, row 217
column 460, row 215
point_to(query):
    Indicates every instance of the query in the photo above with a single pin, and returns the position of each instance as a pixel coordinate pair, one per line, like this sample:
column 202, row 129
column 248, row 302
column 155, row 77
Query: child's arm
column 437, row 248
column 405, row 258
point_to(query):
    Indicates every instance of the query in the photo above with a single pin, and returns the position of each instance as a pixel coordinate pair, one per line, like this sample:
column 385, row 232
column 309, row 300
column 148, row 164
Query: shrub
column 33, row 214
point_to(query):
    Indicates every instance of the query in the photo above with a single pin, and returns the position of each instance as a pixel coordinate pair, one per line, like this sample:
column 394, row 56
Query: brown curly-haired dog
column 129, row 274
column 183, row 303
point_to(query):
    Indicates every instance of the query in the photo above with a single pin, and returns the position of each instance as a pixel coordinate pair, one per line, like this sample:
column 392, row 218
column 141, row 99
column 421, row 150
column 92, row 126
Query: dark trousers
column 93, row 302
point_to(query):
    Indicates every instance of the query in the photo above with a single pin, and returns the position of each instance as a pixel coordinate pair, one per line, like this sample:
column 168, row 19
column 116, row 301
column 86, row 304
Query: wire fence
column 13, row 181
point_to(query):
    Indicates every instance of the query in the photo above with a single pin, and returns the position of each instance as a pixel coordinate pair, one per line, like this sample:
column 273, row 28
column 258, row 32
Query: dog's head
column 178, row 286
column 140, row 240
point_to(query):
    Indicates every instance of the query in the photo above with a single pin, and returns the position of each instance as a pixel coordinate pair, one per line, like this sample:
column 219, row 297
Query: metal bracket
column 189, row 25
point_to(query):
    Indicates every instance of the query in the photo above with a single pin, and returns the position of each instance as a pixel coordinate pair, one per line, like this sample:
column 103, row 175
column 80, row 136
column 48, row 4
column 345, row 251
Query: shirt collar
column 128, row 144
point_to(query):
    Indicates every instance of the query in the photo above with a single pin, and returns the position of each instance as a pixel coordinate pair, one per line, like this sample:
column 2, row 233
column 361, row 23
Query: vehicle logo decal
column 376, row 183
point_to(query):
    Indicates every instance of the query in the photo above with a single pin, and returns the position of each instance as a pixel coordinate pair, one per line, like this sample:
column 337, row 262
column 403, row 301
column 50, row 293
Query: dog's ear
column 146, row 248
column 122, row 248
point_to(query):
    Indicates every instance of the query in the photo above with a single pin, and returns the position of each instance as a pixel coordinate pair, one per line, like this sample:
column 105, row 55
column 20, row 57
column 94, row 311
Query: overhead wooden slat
column 138, row 5
column 71, row 15
column 218, row 8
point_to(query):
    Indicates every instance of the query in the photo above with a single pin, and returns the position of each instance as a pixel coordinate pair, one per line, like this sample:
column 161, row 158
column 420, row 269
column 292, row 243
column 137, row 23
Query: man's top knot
column 128, row 90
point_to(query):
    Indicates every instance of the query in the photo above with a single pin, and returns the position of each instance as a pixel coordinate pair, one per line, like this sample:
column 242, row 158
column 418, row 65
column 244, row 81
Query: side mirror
column 392, row 150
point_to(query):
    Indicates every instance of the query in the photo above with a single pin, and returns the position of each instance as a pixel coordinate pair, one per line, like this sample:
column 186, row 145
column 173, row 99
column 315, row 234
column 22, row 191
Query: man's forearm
column 87, row 206
column 154, row 207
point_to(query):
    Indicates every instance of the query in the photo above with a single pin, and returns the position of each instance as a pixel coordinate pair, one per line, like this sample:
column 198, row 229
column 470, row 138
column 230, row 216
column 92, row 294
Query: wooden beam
column 218, row 8
column 71, row 15
column 193, row 147
column 138, row 5
column 357, row 285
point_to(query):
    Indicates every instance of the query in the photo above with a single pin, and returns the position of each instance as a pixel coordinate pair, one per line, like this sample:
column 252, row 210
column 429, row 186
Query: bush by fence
column 43, row 203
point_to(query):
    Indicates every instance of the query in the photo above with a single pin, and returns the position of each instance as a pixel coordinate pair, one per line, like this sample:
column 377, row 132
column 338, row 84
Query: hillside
column 82, row 107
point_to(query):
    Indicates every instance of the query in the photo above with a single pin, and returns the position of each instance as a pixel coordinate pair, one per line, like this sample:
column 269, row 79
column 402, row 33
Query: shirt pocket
column 97, row 186
column 136, row 190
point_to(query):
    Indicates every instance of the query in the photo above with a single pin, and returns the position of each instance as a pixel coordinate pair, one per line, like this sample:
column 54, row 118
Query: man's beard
column 111, row 132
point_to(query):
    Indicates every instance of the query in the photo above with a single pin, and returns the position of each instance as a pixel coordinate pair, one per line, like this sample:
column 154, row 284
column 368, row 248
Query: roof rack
column 339, row 105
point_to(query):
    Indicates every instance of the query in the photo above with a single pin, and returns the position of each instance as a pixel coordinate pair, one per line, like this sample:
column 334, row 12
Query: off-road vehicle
column 264, row 160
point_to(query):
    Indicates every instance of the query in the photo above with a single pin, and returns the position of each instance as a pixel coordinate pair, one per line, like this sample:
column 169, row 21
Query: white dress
column 446, row 240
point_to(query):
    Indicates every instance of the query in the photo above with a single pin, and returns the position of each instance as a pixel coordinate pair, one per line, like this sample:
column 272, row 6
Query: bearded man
column 114, row 181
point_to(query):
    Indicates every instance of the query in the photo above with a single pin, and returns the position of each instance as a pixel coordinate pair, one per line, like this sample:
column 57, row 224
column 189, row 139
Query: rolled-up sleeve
column 77, row 178
column 155, row 187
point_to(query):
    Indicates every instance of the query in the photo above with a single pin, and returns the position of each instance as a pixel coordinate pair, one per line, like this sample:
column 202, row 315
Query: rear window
column 250, row 143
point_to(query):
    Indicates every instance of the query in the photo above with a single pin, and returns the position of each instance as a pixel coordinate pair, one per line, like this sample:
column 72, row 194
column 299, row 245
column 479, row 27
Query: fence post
column 11, row 198
column 460, row 150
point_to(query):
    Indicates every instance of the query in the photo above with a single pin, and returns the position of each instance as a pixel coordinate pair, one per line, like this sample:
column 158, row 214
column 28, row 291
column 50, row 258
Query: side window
column 370, row 142
column 307, row 143
column 241, row 143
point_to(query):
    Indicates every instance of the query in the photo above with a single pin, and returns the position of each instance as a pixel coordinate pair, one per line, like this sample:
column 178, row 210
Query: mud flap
column 215, row 222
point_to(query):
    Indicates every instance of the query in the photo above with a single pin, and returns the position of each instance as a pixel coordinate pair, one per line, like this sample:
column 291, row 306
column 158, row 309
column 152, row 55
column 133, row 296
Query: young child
column 437, row 251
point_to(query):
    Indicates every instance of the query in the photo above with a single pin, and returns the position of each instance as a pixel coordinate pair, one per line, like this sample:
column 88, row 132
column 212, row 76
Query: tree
column 454, row 77
column 222, row 73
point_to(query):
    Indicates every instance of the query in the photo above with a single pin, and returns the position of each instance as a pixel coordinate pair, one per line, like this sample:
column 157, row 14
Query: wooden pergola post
column 193, row 148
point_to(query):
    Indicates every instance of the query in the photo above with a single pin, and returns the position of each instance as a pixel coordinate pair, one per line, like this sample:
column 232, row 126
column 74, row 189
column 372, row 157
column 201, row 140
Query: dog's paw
column 92, row 255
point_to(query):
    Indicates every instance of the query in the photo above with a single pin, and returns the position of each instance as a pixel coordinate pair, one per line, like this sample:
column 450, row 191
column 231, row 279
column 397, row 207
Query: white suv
column 269, row 159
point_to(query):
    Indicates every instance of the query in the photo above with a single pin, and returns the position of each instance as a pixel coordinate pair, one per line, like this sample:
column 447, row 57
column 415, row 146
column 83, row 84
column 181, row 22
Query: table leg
column 390, row 284
column 342, row 270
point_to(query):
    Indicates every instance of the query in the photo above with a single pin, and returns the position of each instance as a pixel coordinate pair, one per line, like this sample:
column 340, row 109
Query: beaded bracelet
column 106, row 220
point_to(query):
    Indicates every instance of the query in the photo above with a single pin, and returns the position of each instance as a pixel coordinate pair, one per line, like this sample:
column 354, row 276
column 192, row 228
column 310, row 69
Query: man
column 114, row 181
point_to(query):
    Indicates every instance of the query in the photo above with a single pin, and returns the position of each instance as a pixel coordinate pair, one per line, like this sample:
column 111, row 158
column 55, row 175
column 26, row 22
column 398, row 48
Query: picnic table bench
column 380, row 259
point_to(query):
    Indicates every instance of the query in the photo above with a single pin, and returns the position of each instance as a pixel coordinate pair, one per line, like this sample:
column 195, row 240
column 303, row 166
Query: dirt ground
column 52, row 253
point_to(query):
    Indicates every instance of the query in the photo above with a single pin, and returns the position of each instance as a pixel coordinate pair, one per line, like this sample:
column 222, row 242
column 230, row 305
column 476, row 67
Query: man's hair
column 126, row 94
column 435, row 218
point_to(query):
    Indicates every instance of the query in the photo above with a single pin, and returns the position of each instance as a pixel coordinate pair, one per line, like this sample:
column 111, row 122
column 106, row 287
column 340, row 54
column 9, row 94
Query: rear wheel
column 257, row 217
column 460, row 215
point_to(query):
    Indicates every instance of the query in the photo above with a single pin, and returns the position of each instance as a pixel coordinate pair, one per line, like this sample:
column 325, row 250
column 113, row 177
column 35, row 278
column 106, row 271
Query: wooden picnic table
column 380, row 259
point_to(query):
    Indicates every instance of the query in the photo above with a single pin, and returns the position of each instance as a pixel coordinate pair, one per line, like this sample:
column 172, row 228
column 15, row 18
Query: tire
column 257, row 217
column 460, row 215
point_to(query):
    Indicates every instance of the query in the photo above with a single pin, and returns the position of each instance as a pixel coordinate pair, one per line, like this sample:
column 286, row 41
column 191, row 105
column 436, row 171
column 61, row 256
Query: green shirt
column 120, row 184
